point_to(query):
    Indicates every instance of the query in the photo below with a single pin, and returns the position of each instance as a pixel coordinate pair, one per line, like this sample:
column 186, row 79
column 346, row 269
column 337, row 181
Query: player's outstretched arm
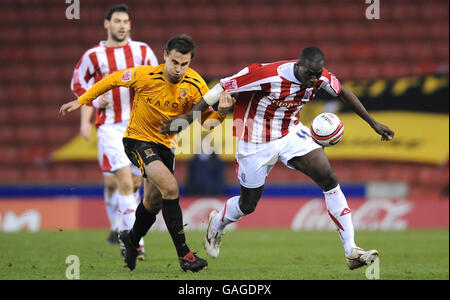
column 350, row 99
column 181, row 122
column 126, row 78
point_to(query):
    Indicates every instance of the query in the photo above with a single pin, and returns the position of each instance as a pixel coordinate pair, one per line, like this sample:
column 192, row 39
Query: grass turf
column 245, row 255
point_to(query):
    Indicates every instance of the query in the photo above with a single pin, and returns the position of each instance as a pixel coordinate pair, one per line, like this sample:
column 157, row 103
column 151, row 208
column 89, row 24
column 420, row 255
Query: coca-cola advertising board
column 294, row 213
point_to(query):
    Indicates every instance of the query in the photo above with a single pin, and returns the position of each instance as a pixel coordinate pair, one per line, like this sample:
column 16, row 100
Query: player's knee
column 136, row 185
column 110, row 189
column 152, row 202
column 170, row 191
column 329, row 181
column 247, row 206
column 126, row 186
column 154, row 207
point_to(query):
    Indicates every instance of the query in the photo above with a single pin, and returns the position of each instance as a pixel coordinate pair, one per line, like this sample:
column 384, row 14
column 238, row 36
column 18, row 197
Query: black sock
column 144, row 220
column 173, row 217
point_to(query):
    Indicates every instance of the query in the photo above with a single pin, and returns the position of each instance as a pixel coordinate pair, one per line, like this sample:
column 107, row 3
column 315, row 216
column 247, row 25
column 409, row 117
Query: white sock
column 111, row 205
column 229, row 214
column 341, row 215
column 127, row 208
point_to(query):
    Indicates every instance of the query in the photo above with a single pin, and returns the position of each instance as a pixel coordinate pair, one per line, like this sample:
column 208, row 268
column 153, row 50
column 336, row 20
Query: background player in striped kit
column 122, row 180
column 270, row 97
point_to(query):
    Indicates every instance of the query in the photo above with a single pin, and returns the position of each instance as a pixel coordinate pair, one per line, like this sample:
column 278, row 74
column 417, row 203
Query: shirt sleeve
column 256, row 77
column 126, row 78
column 201, row 88
column 330, row 83
column 83, row 76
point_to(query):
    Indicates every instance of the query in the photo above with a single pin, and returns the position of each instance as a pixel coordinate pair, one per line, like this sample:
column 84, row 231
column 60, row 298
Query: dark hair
column 117, row 8
column 311, row 53
column 182, row 43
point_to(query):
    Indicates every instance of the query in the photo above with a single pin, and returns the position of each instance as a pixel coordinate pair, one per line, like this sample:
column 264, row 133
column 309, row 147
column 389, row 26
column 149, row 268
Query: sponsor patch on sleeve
column 126, row 76
column 230, row 85
column 335, row 85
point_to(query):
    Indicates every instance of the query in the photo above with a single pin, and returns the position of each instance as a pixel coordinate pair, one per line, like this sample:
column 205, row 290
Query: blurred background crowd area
column 398, row 63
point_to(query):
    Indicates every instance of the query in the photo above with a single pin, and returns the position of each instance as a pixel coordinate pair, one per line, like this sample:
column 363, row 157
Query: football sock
column 341, row 215
column 144, row 220
column 127, row 207
column 111, row 206
column 173, row 217
column 229, row 214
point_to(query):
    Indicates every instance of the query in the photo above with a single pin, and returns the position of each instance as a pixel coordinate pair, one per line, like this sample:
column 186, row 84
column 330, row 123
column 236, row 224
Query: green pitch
column 245, row 254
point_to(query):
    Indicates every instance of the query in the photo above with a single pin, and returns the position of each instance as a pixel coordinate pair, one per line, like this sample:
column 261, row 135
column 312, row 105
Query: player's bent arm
column 211, row 118
column 348, row 98
column 181, row 122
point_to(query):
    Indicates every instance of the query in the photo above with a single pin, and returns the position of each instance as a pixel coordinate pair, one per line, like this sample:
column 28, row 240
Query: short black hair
column 117, row 8
column 182, row 43
column 311, row 53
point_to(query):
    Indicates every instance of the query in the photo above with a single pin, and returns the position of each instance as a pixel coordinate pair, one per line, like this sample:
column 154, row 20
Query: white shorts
column 255, row 161
column 111, row 153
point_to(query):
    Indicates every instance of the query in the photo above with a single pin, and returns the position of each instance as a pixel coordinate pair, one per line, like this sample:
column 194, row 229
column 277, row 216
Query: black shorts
column 142, row 153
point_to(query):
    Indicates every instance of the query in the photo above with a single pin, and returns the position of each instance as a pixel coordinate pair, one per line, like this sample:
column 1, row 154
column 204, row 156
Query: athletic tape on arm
column 213, row 95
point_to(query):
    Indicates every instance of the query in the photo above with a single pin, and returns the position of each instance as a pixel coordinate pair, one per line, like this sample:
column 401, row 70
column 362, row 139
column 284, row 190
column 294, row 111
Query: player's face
column 309, row 72
column 119, row 26
column 176, row 65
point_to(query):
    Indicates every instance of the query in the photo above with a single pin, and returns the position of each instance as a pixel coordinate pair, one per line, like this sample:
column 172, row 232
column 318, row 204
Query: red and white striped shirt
column 101, row 61
column 270, row 99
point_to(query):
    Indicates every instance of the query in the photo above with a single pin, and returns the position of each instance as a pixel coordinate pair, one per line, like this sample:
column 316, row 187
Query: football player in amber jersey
column 162, row 93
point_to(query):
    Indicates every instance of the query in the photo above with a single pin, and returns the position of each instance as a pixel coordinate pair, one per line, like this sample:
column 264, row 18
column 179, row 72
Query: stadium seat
column 410, row 39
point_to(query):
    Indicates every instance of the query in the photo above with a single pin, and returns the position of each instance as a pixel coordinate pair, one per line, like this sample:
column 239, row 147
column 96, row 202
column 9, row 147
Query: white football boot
column 359, row 257
column 212, row 237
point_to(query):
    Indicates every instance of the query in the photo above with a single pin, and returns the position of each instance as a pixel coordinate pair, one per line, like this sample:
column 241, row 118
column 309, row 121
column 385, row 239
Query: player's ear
column 165, row 55
column 106, row 24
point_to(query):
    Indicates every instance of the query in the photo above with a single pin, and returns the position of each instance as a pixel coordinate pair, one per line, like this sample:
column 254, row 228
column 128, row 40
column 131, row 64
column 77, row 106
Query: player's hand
column 103, row 102
column 69, row 107
column 173, row 126
column 85, row 130
column 225, row 103
column 386, row 133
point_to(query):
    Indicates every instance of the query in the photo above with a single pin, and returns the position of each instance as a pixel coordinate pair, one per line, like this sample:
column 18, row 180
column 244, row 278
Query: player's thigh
column 315, row 164
column 156, row 163
column 112, row 156
column 161, row 177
